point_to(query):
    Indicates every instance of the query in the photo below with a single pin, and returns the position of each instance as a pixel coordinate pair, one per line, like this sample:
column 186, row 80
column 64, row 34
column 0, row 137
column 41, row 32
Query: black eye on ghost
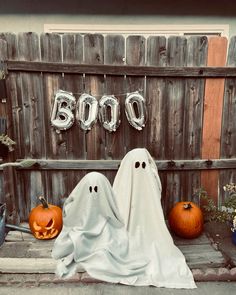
column 95, row 189
column 137, row 164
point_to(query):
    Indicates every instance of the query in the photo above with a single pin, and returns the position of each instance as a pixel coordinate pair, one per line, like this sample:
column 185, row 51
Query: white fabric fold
column 94, row 239
column 137, row 188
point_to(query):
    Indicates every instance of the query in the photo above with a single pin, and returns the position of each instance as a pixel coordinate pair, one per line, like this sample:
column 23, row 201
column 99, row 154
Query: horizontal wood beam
column 162, row 165
column 119, row 70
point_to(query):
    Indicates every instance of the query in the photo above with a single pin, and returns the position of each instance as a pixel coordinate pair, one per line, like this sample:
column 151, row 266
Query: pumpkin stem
column 43, row 201
column 187, row 206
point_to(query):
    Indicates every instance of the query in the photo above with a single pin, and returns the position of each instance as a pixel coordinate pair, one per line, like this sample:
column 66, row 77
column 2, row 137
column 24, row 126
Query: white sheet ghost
column 94, row 238
column 137, row 188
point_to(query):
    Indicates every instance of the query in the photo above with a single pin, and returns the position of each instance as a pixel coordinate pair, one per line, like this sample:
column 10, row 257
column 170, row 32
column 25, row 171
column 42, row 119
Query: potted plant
column 233, row 228
column 218, row 219
column 230, row 189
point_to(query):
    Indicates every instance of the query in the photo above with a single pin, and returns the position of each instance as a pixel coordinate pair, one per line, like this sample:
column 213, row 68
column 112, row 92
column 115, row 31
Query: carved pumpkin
column 45, row 220
column 186, row 220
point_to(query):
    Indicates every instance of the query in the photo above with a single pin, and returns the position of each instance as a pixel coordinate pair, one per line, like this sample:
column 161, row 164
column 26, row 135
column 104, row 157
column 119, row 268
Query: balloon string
column 99, row 95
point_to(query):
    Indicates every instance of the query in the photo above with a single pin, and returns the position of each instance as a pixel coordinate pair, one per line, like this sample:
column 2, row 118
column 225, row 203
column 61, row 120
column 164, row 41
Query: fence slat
column 135, row 53
column 32, row 123
column 10, row 188
column 75, row 137
column 193, row 113
column 94, row 54
column 228, row 133
column 73, row 52
column 14, row 93
column 174, row 125
column 213, row 103
column 156, row 56
column 3, row 112
column 114, row 54
column 56, row 143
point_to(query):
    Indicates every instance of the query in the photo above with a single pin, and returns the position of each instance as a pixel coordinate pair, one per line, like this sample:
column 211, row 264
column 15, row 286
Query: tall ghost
column 137, row 188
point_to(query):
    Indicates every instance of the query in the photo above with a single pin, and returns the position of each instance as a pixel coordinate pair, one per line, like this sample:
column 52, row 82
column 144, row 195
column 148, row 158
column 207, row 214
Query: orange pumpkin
column 45, row 220
column 186, row 220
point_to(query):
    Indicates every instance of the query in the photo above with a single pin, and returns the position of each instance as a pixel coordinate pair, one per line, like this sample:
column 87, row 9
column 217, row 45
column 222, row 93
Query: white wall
column 35, row 22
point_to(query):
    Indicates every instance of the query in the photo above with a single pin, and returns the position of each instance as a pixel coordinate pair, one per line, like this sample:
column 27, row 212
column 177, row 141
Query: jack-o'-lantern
column 186, row 220
column 45, row 220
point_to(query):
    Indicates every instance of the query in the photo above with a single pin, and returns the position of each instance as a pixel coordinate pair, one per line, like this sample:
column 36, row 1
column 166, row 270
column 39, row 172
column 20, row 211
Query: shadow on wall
column 116, row 7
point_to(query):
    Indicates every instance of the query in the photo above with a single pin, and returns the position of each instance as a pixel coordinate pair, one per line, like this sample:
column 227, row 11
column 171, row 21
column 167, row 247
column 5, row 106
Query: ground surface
column 108, row 289
column 27, row 261
column 220, row 236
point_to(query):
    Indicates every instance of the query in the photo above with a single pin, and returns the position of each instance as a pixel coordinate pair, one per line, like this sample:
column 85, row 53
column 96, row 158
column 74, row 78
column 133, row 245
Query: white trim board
column 146, row 30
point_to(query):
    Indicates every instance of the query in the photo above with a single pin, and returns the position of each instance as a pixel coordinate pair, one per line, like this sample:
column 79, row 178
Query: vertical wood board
column 156, row 98
column 115, row 85
column 11, row 196
column 94, row 85
column 212, row 118
column 228, row 132
column 54, row 182
column 135, row 51
column 72, row 46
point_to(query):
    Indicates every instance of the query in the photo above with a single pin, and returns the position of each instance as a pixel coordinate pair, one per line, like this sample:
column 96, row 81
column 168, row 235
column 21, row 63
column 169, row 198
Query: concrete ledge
column 200, row 275
column 214, row 274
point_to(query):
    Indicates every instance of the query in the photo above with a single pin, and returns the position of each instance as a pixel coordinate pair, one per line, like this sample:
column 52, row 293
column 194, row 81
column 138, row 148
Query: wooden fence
column 190, row 90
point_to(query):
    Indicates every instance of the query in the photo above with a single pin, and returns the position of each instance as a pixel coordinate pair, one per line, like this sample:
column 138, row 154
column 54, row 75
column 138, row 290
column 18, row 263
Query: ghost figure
column 94, row 238
column 138, row 194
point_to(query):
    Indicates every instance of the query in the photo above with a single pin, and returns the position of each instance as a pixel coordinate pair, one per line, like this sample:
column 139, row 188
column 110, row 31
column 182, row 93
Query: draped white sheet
column 94, row 238
column 137, row 188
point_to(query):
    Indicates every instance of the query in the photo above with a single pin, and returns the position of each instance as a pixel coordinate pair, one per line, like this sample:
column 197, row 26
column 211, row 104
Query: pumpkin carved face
column 45, row 220
column 186, row 220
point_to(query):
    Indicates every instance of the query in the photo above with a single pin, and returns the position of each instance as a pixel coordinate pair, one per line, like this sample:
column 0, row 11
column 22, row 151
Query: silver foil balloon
column 136, row 118
column 112, row 122
column 87, row 111
column 62, row 117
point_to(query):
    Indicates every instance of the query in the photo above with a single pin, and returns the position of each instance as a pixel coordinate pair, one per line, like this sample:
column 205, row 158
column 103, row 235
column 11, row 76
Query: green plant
column 7, row 141
column 224, row 213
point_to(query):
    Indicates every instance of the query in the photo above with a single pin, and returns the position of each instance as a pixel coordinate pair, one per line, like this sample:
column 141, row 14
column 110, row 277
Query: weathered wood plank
column 32, row 123
column 193, row 113
column 54, row 184
column 13, row 83
column 201, row 240
column 169, row 165
column 174, row 123
column 114, row 53
column 194, row 96
column 169, row 71
column 203, row 256
column 9, row 174
column 135, row 56
column 156, row 56
column 212, row 117
column 72, row 46
column 94, row 85
column 176, row 55
column 3, row 113
column 73, row 52
column 17, row 236
column 197, row 256
column 228, row 133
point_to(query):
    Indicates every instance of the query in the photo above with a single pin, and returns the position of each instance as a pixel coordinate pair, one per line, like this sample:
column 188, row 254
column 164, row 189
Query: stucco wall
column 30, row 15
column 35, row 23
